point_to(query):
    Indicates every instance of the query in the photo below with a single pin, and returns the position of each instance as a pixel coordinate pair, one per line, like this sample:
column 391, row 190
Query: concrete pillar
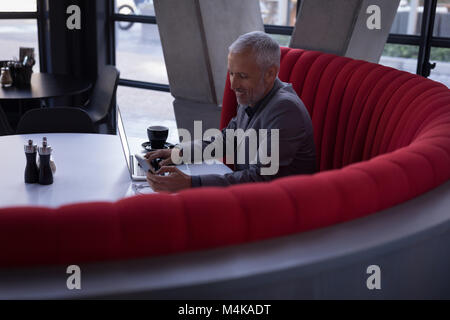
column 341, row 27
column 186, row 112
column 195, row 36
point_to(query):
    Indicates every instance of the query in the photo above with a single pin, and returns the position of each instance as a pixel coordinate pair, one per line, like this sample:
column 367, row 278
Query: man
column 264, row 103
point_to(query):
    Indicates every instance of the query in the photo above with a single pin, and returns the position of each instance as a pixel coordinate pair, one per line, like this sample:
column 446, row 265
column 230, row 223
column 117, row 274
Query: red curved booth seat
column 382, row 137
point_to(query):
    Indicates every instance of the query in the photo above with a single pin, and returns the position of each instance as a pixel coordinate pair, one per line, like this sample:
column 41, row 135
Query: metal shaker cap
column 45, row 149
column 30, row 148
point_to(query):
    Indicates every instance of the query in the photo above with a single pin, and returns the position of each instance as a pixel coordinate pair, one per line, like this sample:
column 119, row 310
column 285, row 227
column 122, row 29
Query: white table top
column 89, row 167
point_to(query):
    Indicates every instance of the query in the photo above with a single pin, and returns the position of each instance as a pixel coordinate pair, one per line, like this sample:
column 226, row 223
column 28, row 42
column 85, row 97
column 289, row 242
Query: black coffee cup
column 157, row 135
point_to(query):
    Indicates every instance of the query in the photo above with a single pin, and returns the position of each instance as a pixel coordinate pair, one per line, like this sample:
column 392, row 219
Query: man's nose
column 234, row 83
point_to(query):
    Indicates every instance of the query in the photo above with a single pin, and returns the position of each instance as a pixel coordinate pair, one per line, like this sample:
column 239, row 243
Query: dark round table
column 44, row 86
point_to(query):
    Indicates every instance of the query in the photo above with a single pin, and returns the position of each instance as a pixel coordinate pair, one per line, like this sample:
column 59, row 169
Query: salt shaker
column 31, row 169
column 45, row 171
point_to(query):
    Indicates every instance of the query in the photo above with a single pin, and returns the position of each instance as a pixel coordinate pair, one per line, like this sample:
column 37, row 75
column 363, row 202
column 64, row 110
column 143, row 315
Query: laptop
column 136, row 172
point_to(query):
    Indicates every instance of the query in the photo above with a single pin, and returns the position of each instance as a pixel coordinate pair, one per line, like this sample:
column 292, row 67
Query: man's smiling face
column 247, row 78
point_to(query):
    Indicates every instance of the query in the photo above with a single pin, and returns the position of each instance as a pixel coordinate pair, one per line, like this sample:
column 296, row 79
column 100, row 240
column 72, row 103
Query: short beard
column 258, row 95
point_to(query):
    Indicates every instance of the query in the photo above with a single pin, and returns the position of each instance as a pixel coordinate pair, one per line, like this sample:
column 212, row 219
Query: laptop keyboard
column 138, row 171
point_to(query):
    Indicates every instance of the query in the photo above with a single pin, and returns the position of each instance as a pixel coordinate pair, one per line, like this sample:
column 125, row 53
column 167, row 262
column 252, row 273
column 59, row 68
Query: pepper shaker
column 31, row 169
column 45, row 171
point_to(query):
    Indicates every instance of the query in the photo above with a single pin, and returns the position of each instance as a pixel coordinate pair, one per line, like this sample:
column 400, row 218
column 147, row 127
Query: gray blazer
column 280, row 109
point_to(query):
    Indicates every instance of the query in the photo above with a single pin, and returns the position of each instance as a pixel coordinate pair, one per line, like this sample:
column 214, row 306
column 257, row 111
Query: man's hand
column 165, row 154
column 162, row 154
column 175, row 181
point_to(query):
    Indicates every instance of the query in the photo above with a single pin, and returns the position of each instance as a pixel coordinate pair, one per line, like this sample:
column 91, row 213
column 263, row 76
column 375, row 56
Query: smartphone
column 144, row 163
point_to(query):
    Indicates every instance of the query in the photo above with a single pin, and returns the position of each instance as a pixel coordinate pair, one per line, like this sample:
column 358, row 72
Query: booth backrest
column 359, row 110
column 399, row 123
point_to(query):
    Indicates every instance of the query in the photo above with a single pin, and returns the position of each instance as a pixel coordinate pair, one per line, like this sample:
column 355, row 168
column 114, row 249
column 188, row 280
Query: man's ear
column 271, row 73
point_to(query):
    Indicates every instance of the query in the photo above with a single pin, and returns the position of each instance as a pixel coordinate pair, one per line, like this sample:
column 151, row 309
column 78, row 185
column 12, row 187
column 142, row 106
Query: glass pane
column 18, row 33
column 18, row 6
column 281, row 39
column 279, row 12
column 137, row 7
column 408, row 18
column 141, row 108
column 139, row 54
column 402, row 57
column 442, row 20
column 441, row 56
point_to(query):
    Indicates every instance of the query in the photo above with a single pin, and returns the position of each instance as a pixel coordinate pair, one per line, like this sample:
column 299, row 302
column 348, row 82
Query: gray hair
column 265, row 49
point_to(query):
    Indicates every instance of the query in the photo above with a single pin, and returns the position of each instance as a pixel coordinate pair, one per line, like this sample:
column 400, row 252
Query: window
column 420, row 33
column 442, row 20
column 279, row 12
column 18, row 6
column 143, row 94
column 408, row 18
column 283, row 40
column 441, row 56
column 432, row 18
column 139, row 53
column 440, row 50
column 400, row 56
column 18, row 28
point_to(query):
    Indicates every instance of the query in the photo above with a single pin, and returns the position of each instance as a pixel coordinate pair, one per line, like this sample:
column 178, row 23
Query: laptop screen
column 124, row 141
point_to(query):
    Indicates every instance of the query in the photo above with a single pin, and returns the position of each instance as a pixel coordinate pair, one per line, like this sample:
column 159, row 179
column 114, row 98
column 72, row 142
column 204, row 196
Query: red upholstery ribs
column 382, row 138
column 330, row 126
column 229, row 104
column 288, row 60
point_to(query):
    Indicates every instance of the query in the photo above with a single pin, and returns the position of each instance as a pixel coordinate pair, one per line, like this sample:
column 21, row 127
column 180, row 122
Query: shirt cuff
column 196, row 181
